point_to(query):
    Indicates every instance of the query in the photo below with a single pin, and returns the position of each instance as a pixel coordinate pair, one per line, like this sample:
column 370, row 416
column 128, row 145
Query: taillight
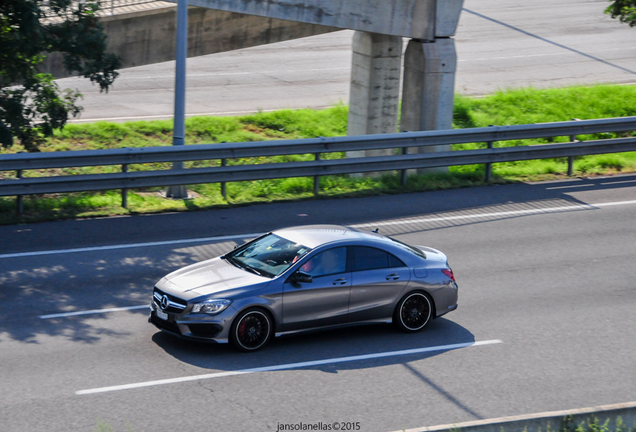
column 449, row 273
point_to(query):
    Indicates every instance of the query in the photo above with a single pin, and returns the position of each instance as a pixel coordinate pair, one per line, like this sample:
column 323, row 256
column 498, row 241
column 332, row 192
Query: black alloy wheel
column 413, row 312
column 251, row 330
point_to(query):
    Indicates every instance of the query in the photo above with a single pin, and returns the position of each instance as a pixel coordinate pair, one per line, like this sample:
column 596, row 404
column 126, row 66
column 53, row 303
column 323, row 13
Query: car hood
column 209, row 277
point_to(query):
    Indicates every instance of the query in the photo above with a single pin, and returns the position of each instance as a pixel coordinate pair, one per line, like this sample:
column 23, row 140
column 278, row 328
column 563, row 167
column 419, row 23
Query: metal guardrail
column 319, row 167
column 27, row 161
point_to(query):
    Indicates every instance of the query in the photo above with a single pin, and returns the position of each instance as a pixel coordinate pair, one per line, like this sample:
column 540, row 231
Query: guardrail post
column 489, row 165
column 405, row 151
column 223, row 186
column 20, row 201
column 571, row 158
column 124, row 192
column 317, row 179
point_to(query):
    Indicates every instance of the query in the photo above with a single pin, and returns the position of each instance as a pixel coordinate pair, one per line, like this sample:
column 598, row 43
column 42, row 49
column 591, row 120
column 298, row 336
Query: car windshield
column 267, row 256
column 410, row 248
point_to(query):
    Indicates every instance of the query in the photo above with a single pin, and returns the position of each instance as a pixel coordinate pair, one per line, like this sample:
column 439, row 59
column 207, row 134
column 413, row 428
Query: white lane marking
column 128, row 246
column 169, row 116
column 145, row 77
column 286, row 366
column 93, row 311
column 560, row 54
column 374, row 224
column 498, row 214
column 617, row 203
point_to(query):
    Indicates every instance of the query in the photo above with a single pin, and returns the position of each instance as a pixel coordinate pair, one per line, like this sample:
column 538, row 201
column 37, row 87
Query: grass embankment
column 521, row 106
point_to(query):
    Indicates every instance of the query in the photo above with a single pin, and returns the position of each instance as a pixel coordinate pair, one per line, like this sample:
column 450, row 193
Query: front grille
column 175, row 304
column 205, row 330
column 165, row 325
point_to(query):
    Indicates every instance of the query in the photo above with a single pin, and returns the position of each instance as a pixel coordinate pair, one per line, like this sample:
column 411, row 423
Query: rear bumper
column 450, row 309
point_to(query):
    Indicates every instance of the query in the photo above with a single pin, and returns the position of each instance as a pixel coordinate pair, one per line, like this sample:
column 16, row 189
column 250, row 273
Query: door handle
column 393, row 276
column 340, row 281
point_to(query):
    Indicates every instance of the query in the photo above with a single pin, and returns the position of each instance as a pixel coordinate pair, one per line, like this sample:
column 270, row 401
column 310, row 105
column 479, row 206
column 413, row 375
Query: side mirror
column 301, row 276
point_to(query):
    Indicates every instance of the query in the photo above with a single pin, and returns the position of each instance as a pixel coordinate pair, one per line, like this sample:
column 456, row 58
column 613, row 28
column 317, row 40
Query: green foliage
column 530, row 105
column 304, row 123
column 592, row 424
column 32, row 106
column 624, row 10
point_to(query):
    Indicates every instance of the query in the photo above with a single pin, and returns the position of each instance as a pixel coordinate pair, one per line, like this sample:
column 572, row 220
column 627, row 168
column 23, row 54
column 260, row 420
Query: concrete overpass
column 222, row 25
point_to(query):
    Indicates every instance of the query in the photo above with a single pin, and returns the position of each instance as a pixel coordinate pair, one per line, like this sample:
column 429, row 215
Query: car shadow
column 362, row 340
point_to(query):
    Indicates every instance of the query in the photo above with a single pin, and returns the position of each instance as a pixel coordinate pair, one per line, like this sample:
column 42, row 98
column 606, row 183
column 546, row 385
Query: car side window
column 368, row 258
column 395, row 261
column 332, row 261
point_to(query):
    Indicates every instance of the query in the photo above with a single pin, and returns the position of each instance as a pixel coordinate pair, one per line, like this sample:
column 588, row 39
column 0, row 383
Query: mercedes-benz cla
column 304, row 278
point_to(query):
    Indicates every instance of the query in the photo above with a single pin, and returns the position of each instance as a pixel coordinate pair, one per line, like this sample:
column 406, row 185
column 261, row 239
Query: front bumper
column 199, row 328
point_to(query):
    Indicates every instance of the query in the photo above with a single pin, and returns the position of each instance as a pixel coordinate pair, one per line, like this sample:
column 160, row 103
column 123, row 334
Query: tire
column 251, row 330
column 413, row 312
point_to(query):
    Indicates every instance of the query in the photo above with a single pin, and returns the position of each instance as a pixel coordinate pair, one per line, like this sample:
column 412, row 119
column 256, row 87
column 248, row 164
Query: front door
column 325, row 300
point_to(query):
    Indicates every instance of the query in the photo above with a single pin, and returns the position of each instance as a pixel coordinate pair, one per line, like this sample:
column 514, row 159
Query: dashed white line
column 92, row 312
column 374, row 224
column 286, row 367
column 500, row 214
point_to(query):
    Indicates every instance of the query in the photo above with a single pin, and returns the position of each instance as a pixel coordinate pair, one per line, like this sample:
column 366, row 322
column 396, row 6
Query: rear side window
column 368, row 258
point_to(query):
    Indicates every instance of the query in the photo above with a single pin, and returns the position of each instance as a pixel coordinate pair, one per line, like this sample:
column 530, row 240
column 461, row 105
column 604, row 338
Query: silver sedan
column 304, row 278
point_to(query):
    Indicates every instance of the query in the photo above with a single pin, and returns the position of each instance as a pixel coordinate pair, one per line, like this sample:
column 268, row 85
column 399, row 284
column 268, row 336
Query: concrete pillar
column 429, row 88
column 375, row 87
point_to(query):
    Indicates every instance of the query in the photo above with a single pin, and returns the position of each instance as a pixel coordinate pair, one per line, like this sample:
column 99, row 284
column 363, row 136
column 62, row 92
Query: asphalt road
column 546, row 276
column 541, row 43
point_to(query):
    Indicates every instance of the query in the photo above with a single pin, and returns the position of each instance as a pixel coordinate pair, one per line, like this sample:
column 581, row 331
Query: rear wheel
column 251, row 330
column 413, row 312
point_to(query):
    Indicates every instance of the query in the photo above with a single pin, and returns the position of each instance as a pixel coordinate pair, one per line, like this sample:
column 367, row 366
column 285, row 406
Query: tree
column 625, row 10
column 31, row 103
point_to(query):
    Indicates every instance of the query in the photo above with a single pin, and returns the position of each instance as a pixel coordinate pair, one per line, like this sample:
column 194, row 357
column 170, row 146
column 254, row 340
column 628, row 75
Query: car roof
column 315, row 235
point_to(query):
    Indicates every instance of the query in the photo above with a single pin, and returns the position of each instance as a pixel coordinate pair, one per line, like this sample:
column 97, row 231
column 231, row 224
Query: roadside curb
column 541, row 421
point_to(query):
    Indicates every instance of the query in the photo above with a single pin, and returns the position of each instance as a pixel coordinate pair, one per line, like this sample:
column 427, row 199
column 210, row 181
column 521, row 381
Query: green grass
column 520, row 106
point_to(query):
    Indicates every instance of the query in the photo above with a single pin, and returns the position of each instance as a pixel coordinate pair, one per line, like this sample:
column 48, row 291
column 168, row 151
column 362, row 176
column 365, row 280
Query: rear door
column 379, row 277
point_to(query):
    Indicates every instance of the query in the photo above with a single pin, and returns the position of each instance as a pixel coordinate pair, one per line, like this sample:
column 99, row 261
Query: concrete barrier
column 543, row 421
column 408, row 18
column 149, row 36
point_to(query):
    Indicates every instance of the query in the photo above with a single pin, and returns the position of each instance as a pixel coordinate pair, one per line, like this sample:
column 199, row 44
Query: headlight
column 212, row 306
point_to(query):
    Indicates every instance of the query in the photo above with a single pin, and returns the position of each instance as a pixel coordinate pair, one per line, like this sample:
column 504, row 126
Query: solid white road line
column 129, row 246
column 94, row 311
column 169, row 116
column 374, row 224
column 286, row 366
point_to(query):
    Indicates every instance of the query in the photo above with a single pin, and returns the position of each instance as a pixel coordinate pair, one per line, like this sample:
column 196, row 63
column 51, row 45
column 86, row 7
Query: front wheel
column 251, row 330
column 413, row 312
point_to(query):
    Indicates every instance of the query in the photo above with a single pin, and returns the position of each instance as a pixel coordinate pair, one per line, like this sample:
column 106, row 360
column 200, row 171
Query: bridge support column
column 375, row 87
column 428, row 92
